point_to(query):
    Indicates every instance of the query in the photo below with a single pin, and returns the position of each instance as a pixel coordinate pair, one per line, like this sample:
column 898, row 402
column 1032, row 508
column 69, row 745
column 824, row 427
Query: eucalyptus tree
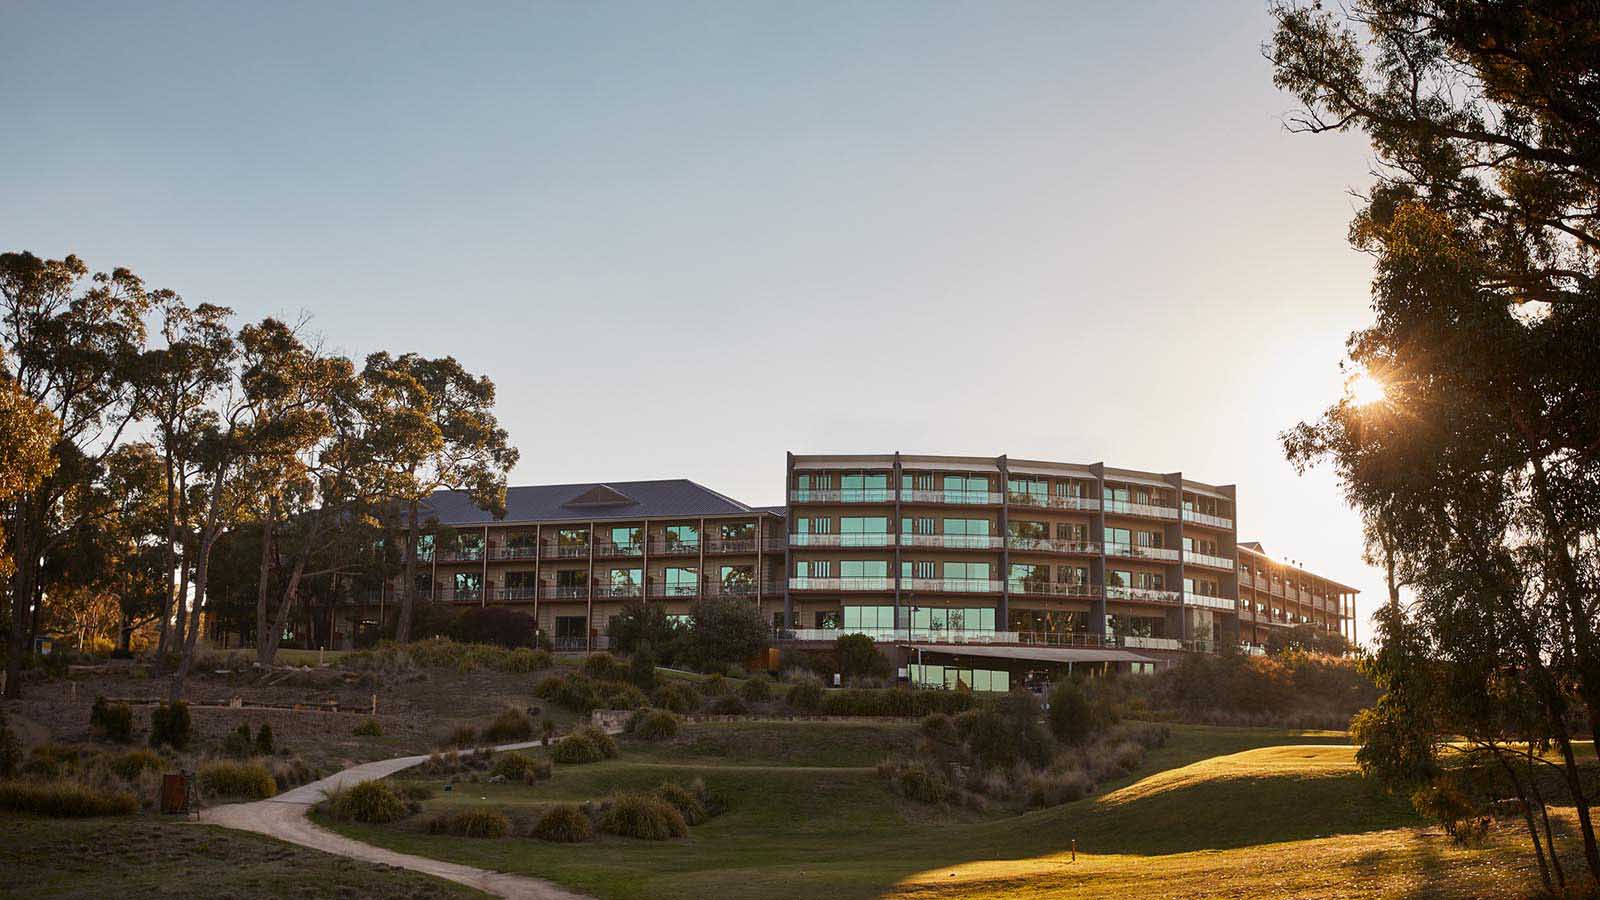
column 73, row 353
column 1478, row 473
column 431, row 426
column 26, row 433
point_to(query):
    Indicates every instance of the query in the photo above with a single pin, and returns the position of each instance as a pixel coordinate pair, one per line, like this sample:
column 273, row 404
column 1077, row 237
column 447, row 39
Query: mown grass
column 143, row 856
column 808, row 817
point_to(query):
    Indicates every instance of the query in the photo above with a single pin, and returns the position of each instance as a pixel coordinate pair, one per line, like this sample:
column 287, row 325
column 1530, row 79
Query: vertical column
column 538, row 551
column 1003, row 615
column 1097, row 565
column 700, row 570
column 761, row 538
column 483, row 585
column 1185, row 613
column 588, row 593
column 896, row 471
column 788, row 542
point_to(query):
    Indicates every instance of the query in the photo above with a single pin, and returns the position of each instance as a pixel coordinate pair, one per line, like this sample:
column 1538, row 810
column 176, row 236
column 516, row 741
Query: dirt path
column 284, row 817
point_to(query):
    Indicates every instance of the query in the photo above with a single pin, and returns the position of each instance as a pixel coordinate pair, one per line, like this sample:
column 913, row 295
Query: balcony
column 674, row 591
column 1035, row 501
column 733, row 545
column 1207, row 519
column 609, row 549
column 511, row 594
column 952, row 585
column 1135, row 551
column 917, row 635
column 618, row 591
column 1192, row 599
column 799, row 583
column 769, row 589
column 505, row 553
column 459, row 555
column 674, row 548
column 564, row 592
column 1048, row 545
column 842, row 540
column 1142, row 595
column 953, row 541
column 1204, row 559
column 953, row 498
column 1146, row 510
column 863, row 495
column 1052, row 589
column 564, row 551
column 1135, row 642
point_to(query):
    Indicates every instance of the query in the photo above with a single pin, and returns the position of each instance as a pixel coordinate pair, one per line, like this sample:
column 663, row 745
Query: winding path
column 284, row 817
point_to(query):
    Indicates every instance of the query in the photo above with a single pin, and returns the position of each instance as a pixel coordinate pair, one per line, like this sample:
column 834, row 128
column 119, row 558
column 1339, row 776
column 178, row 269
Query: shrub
column 987, row 737
column 726, row 631
column 576, row 749
column 606, row 743
column 938, row 727
column 805, row 695
column 440, row 764
column 170, row 725
column 1055, row 788
column 916, row 781
column 521, row 767
column 642, row 667
column 473, row 822
column 238, row 742
column 572, row 691
column 1069, row 713
column 111, row 721
column 231, row 779
column 413, row 791
column 10, row 748
column 891, row 702
column 677, row 697
column 564, row 824
column 264, row 740
column 604, row 667
column 369, row 728
column 758, row 689
column 511, row 725
column 644, row 816
column 495, row 625
column 857, row 656
column 686, row 800
column 461, row 736
column 621, row 695
column 290, row 772
column 715, row 686
column 130, row 764
column 727, row 705
column 65, row 799
column 373, row 802
column 653, row 725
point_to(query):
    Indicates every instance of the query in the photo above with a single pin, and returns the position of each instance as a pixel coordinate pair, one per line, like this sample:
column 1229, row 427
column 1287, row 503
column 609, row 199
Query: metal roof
column 593, row 501
column 1041, row 654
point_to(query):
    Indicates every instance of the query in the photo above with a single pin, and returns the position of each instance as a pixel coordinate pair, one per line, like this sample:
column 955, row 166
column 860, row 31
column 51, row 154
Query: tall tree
column 1482, row 463
column 72, row 354
column 26, row 433
column 432, row 427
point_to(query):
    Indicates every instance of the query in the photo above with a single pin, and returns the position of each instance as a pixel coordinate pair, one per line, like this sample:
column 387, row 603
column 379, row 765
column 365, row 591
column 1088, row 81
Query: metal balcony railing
column 1086, row 504
column 564, row 592
column 1054, row 545
column 460, row 554
column 522, row 552
column 806, row 583
column 952, row 585
column 953, row 541
column 859, row 539
column 1136, row 551
column 1192, row 599
column 564, row 551
column 674, row 548
column 1200, row 518
column 955, row 498
column 858, row 495
column 630, row 548
column 1205, row 559
column 1147, row 510
column 1142, row 595
column 1052, row 589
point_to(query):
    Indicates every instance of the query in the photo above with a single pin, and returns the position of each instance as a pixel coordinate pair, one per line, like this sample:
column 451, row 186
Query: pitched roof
column 663, row 499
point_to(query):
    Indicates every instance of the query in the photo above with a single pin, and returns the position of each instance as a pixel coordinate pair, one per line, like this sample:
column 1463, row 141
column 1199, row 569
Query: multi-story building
column 985, row 565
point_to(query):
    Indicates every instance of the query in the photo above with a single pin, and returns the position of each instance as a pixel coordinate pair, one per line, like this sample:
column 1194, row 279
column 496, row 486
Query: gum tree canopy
column 1477, row 470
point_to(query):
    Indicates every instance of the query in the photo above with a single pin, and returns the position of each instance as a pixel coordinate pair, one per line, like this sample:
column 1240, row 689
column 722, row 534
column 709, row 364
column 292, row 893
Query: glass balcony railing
column 1200, row 518
column 858, row 539
column 953, row 541
column 1142, row 595
column 952, row 585
column 849, row 495
column 807, row 583
column 1053, row 545
column 954, row 498
column 1192, row 599
column 1205, row 559
column 1147, row 510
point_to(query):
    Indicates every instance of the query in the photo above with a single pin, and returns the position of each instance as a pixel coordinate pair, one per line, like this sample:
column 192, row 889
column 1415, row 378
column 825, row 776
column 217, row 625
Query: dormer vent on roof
column 601, row 495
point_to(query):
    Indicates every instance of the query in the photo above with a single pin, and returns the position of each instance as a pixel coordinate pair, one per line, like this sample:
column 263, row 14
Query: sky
column 684, row 238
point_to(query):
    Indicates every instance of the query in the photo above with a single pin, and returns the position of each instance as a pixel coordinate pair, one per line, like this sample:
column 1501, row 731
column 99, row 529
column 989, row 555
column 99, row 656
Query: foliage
column 368, row 728
column 805, row 694
column 170, row 725
column 238, row 741
column 642, row 667
column 461, row 736
column 639, row 623
column 1070, row 716
column 727, row 705
column 232, row 779
column 264, row 743
column 510, row 725
column 679, row 697
column 604, row 667
column 857, row 657
column 473, row 822
column 725, row 631
column 495, row 625
column 373, row 802
column 564, row 823
column 10, row 748
column 576, row 749
column 653, row 724
column 643, row 816
column 689, row 801
column 65, row 799
column 130, row 764
column 897, row 702
column 521, row 767
column 111, row 721
column 756, row 689
column 916, row 780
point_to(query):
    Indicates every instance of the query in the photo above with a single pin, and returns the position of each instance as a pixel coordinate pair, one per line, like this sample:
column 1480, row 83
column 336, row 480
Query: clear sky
column 683, row 238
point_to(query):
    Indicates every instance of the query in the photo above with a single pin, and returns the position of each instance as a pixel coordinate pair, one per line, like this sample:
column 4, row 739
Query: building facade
column 1062, row 563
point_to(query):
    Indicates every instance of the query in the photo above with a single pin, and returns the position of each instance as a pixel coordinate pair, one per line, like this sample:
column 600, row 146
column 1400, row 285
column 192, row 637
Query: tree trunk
column 1527, row 817
column 267, row 644
column 266, row 637
column 21, row 594
column 408, row 590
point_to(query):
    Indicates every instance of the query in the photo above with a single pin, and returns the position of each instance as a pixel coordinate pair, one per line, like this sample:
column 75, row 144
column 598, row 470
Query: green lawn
column 808, row 817
column 146, row 856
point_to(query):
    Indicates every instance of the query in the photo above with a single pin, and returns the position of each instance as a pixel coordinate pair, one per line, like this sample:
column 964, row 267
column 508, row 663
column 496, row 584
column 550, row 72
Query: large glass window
column 1032, row 575
column 469, row 582
column 864, row 531
column 1118, row 537
column 864, row 568
column 738, row 579
column 813, row 568
column 966, row 488
column 868, row 618
column 1034, row 531
column 1029, row 490
column 919, row 525
column 622, row 579
column 572, row 537
column 950, row 619
column 738, row 531
column 627, row 536
column 864, row 487
column 954, row 678
column 682, row 537
column 425, row 547
column 967, row 527
column 1119, row 578
column 682, row 581
column 968, row 575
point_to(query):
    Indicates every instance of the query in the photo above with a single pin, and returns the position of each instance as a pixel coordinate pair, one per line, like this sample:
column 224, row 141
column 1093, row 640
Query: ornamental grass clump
column 643, row 816
column 520, row 767
column 653, row 725
column 475, row 822
column 511, row 725
column 234, row 779
column 373, row 802
column 563, row 824
column 65, row 799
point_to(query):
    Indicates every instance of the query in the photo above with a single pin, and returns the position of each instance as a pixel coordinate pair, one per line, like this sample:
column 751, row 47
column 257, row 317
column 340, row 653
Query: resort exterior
column 980, row 569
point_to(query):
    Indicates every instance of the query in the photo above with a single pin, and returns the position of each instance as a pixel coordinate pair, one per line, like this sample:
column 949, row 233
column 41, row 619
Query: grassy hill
column 1222, row 812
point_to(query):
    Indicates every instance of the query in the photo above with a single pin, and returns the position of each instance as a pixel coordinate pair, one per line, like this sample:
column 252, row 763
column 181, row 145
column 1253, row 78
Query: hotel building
column 977, row 568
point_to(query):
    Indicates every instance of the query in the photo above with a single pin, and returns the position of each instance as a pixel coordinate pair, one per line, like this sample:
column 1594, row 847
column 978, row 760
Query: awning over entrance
column 1038, row 654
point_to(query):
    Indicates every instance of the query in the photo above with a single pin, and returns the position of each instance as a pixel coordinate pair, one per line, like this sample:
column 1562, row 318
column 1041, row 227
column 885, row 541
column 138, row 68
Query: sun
column 1364, row 390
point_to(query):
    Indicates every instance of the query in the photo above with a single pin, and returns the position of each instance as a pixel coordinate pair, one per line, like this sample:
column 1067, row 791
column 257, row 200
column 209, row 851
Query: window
column 1072, row 531
column 815, row 525
column 425, row 547
column 627, row 536
column 1078, row 575
column 1029, row 490
column 622, row 579
column 738, row 579
column 571, row 578
column 1029, row 574
column 919, row 525
column 864, row 486
column 469, row 582
column 1116, row 496
column 917, row 481
column 864, row 568
column 864, row 531
column 571, row 632
column 520, row 581
column 1150, row 581
column 1032, row 531
column 738, row 531
column 682, row 537
column 965, row 488
column 967, row 527
column 1147, row 538
column 520, row 541
column 952, row 619
column 814, row 568
column 682, row 581
column 868, row 618
column 970, row 572
column 814, row 481
column 918, row 568
column 1119, row 578
column 1120, row 538
column 951, row 678
column 572, row 537
column 1069, row 489
column 827, row 618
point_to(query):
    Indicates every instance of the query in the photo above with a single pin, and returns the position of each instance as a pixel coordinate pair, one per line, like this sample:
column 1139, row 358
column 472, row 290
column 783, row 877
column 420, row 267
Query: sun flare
column 1365, row 390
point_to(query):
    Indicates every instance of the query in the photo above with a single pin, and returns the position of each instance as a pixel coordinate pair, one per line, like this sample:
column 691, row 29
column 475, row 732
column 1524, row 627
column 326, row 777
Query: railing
column 1148, row 510
column 464, row 554
column 953, row 541
column 1135, row 642
column 1262, row 584
column 731, row 545
column 571, row 643
column 910, row 635
column 512, row 594
column 958, row 498
column 1192, row 599
column 859, row 539
column 674, row 591
column 1136, row 551
column 674, row 548
column 1053, row 545
column 564, row 551
column 607, row 548
column 1252, row 650
column 1206, row 559
column 952, row 585
column 1052, row 589
column 526, row 552
column 1200, row 518
column 1143, row 595
column 1088, row 504
column 859, row 495
column 461, row 596
column 618, row 591
column 807, row 583
column 564, row 592
column 742, row 590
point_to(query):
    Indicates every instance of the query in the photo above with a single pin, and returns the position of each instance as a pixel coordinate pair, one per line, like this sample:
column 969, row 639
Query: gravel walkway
column 284, row 817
